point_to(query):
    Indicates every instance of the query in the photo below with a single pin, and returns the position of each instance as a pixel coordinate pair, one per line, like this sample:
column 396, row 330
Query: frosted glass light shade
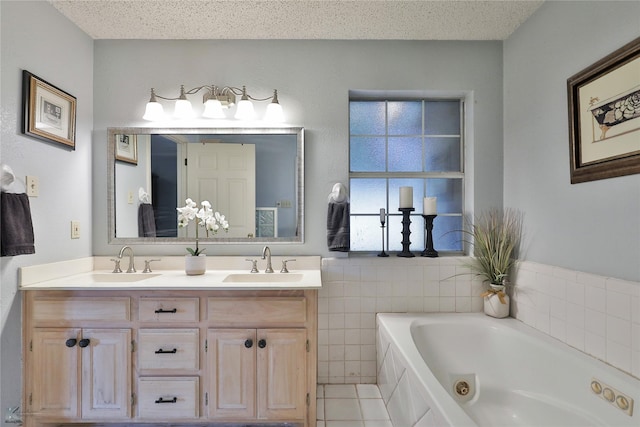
column 153, row 112
column 183, row 109
column 244, row 111
column 274, row 113
column 213, row 109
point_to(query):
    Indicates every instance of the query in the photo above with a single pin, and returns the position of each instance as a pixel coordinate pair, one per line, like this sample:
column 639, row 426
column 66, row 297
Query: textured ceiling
column 300, row 19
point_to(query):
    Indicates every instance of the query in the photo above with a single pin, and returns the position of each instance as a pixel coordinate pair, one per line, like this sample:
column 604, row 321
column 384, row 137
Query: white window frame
column 466, row 140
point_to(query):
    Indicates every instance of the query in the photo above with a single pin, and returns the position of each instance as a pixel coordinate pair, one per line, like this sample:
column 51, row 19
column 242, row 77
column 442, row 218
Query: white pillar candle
column 429, row 207
column 406, row 197
column 382, row 216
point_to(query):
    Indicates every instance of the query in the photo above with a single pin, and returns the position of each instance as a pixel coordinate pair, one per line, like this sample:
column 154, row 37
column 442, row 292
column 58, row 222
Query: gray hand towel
column 338, row 229
column 16, row 228
column 146, row 221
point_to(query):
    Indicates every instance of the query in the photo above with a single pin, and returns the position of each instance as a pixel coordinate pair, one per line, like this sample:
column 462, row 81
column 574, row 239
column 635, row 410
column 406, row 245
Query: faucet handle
column 147, row 265
column 254, row 265
column 116, row 268
column 284, row 265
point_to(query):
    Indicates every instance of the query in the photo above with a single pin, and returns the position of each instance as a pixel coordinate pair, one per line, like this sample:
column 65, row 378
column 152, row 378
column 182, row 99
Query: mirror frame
column 111, row 162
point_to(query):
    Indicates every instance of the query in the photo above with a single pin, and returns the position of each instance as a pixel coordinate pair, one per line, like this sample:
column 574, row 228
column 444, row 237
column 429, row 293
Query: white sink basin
column 263, row 278
column 121, row 277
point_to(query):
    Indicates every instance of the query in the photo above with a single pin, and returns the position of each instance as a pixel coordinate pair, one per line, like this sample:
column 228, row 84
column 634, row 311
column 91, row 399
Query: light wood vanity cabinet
column 193, row 357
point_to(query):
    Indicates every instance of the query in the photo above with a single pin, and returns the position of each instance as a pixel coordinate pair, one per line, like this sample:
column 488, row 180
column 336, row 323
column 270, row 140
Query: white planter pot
column 195, row 265
column 493, row 306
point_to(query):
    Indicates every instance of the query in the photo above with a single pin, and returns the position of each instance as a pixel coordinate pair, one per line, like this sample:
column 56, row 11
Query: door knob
column 84, row 342
column 248, row 343
column 71, row 342
column 262, row 343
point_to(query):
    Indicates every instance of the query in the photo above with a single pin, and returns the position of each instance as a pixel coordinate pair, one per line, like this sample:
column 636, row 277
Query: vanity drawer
column 168, row 349
column 257, row 310
column 81, row 308
column 168, row 398
column 171, row 310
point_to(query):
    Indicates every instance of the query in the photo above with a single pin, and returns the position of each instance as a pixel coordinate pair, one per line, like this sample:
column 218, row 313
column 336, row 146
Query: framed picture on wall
column 604, row 117
column 127, row 148
column 49, row 113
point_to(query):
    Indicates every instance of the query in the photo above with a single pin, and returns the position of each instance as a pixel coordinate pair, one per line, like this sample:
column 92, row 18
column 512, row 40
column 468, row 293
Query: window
column 396, row 143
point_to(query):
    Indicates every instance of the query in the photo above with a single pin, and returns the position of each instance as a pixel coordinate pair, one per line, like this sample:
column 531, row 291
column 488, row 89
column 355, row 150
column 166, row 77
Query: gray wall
column 35, row 37
column 313, row 79
column 592, row 227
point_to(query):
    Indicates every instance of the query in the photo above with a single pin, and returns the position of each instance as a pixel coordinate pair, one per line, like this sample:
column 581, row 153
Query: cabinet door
column 55, row 375
column 282, row 373
column 231, row 368
column 106, row 373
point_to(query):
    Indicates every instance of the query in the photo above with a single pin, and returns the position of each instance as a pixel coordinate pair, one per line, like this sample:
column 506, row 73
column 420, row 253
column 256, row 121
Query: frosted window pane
column 405, row 154
column 449, row 194
column 442, row 155
column 394, row 192
column 442, row 118
column 365, row 233
column 366, row 118
column 446, row 233
column 367, row 195
column 405, row 118
column 367, row 154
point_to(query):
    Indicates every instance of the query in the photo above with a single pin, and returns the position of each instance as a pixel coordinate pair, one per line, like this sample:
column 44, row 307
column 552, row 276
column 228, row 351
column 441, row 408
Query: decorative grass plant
column 495, row 236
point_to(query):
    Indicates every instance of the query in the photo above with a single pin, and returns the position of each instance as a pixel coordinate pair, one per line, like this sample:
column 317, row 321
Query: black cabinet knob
column 71, row 342
column 84, row 342
column 248, row 343
column 262, row 343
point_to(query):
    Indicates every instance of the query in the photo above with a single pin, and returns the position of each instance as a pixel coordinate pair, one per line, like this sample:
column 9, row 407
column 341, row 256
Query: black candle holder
column 406, row 232
column 428, row 224
column 383, row 253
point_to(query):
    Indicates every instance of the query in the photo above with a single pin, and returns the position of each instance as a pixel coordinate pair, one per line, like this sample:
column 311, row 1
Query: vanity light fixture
column 215, row 100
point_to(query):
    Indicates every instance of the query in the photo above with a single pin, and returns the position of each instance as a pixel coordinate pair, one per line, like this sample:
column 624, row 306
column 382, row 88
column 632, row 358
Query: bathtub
column 473, row 370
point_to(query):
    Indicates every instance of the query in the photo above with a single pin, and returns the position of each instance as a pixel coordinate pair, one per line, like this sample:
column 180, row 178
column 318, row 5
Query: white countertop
column 223, row 273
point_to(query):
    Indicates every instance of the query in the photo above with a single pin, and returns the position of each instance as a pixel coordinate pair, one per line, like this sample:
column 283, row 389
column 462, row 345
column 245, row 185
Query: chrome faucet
column 132, row 268
column 266, row 253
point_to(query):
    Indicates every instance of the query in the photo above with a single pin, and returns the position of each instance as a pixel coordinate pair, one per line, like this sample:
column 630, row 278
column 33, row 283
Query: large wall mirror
column 253, row 176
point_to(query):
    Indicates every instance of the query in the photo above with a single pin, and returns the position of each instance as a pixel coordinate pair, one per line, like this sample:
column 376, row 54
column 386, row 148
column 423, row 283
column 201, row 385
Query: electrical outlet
column 33, row 187
column 75, row 229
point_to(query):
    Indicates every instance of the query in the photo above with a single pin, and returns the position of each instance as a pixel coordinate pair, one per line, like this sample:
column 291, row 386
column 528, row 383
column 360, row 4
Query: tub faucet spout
column 266, row 254
column 132, row 268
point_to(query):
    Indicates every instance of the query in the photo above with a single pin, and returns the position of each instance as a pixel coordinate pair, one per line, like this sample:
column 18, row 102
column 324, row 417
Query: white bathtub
column 516, row 376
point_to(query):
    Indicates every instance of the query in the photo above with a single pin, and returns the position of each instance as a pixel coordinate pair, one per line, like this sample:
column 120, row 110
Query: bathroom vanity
column 165, row 348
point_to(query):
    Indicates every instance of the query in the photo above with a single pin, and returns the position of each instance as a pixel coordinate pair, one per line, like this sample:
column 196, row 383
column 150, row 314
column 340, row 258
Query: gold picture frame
column 49, row 113
column 604, row 117
column 127, row 148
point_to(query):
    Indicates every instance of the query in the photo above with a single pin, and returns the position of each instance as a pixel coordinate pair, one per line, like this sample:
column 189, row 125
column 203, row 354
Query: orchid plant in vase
column 205, row 217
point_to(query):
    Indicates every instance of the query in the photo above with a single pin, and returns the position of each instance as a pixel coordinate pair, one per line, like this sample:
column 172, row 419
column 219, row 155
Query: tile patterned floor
column 351, row 405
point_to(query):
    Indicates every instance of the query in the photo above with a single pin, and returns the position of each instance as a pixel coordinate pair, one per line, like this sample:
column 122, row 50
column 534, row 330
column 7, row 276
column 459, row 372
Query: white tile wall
column 355, row 289
column 595, row 314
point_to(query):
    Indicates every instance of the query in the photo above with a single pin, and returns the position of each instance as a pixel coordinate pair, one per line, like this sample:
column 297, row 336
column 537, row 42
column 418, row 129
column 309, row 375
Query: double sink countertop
column 223, row 273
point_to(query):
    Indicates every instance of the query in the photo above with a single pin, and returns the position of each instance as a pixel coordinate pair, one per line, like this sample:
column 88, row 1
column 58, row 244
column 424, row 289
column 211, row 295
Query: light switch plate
column 75, row 229
column 33, row 187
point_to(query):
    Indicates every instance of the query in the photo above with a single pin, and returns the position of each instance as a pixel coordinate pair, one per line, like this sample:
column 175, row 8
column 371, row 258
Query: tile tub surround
column 355, row 289
column 594, row 314
column 597, row 315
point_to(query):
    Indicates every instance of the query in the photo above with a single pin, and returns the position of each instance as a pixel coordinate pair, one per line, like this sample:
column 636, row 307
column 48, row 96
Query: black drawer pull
column 160, row 311
column 262, row 343
column 71, row 342
column 84, row 342
column 161, row 351
column 248, row 343
column 161, row 400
